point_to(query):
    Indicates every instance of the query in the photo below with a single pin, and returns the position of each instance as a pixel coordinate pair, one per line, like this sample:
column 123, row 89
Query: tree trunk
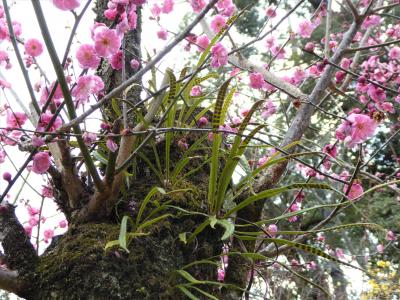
column 77, row 265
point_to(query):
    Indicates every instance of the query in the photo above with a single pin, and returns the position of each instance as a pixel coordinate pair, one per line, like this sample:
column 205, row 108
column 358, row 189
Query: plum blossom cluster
column 36, row 217
column 356, row 129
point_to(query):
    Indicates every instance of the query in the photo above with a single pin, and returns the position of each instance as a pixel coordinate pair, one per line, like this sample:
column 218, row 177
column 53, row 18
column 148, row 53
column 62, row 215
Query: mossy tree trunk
column 77, row 266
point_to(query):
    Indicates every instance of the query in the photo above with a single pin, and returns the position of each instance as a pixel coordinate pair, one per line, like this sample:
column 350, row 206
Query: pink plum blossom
column 168, row 6
column 305, row 28
column 197, row 5
column 256, row 80
column 377, row 94
column 132, row 19
column 362, row 127
column 262, row 160
column 270, row 42
column 15, row 119
column 356, row 129
column 45, row 120
column 356, row 191
column 371, row 20
column 196, row 91
column 63, row 223
column 293, row 208
column 111, row 145
column 32, row 211
column 299, row 75
column 278, row 52
column 222, row 4
column 162, row 34
column 48, row 235
column 312, row 265
column 89, row 137
column 217, row 23
column 269, row 109
column 220, row 274
column 33, row 220
column 203, row 121
column 135, row 64
column 110, row 14
column 156, row 10
column 345, row 63
column 106, row 41
column 33, row 47
column 394, row 53
column 46, row 91
column 87, row 57
column 310, row 46
column 270, row 12
column 116, row 60
column 380, row 248
column 66, row 4
column 202, row 42
column 47, row 191
column 41, row 162
column 219, row 55
column 390, row 236
column 330, row 150
column 86, row 85
column 388, row 107
column 7, row 176
column 272, row 230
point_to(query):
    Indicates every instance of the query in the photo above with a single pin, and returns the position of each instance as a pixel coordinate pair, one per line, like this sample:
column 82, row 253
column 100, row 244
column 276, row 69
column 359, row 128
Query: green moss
column 79, row 268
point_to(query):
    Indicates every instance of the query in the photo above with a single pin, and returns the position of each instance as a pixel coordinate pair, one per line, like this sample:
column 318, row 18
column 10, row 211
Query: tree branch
column 102, row 202
column 66, row 93
column 19, row 254
column 10, row 282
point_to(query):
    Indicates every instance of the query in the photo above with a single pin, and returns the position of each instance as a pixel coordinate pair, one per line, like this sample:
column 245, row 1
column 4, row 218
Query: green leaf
column 153, row 221
column 115, row 107
column 100, row 157
column 188, row 277
column 170, row 118
column 111, row 244
column 253, row 255
column 217, row 140
column 182, row 237
column 213, row 221
column 217, row 115
column 273, row 192
column 229, row 228
column 123, row 233
column 227, row 103
column 187, row 292
column 204, row 293
column 146, row 200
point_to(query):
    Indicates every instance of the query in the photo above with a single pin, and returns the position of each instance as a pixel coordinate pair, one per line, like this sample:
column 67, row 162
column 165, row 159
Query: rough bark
column 19, row 254
column 77, row 266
